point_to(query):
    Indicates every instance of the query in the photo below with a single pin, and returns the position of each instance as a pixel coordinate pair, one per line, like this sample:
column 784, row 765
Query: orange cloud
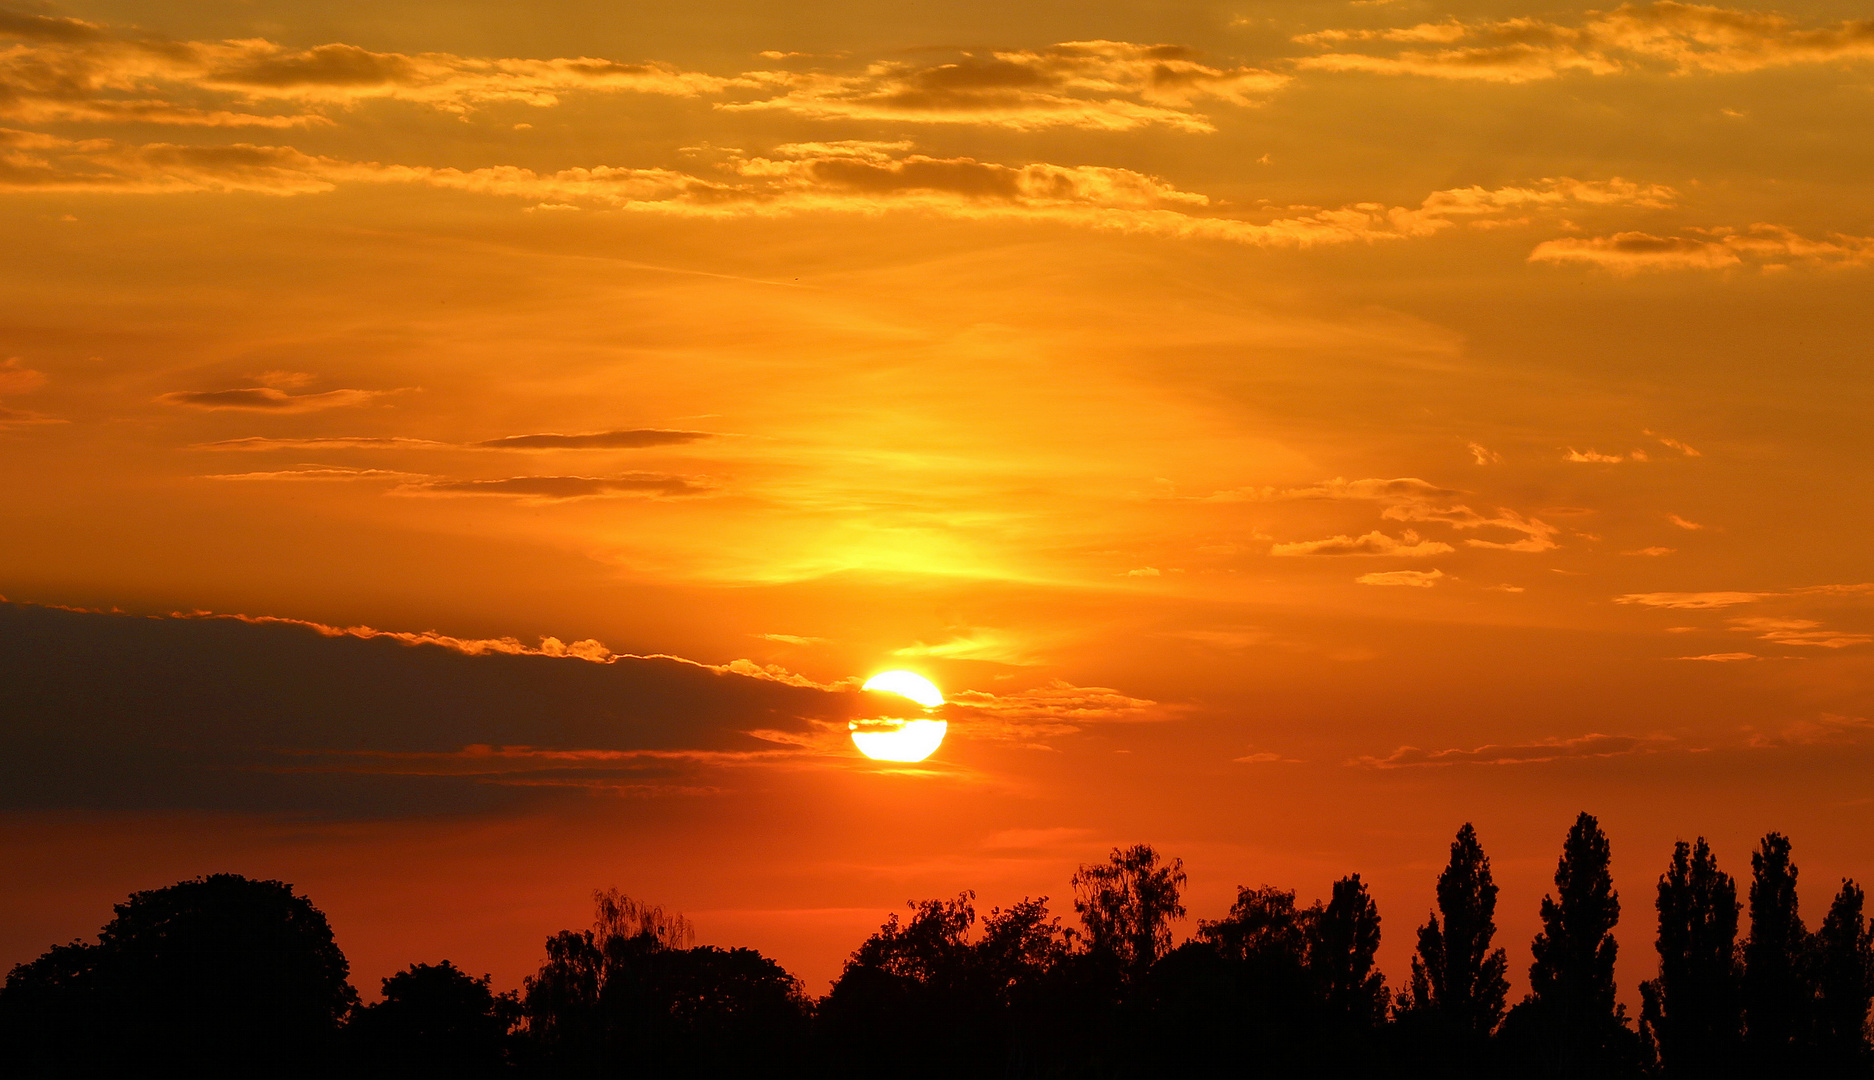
column 267, row 399
column 1767, row 246
column 1373, row 543
column 1420, row 579
column 1683, row 38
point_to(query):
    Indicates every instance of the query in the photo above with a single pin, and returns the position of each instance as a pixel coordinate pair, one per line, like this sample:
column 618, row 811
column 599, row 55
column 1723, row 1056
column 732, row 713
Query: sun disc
column 908, row 684
column 912, row 740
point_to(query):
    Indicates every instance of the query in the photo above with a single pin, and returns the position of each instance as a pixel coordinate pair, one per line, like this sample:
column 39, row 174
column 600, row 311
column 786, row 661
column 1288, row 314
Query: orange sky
column 1286, row 431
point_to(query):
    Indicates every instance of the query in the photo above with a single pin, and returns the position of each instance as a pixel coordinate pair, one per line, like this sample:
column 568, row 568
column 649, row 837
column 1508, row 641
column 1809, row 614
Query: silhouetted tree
column 1570, row 1024
column 1343, row 939
column 1844, row 957
column 435, row 1020
column 1128, row 904
column 1692, row 1009
column 220, row 975
column 968, row 1006
column 1778, row 994
column 1458, row 980
column 629, row 994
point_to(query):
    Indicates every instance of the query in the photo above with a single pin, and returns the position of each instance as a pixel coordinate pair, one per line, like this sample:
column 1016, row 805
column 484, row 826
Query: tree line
column 224, row 975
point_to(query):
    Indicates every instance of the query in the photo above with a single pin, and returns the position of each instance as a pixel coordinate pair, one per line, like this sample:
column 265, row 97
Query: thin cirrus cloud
column 1731, row 598
column 1406, row 499
column 561, row 488
column 1373, row 543
column 269, row 399
column 1532, row 753
column 622, row 439
column 1679, row 38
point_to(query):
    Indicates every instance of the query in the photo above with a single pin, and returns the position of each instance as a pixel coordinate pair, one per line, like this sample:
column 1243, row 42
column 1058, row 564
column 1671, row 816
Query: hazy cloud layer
column 1585, row 746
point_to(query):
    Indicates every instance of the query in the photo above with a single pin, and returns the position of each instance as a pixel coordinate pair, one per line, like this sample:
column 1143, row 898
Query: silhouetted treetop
column 1457, row 978
column 1692, row 1009
column 1128, row 904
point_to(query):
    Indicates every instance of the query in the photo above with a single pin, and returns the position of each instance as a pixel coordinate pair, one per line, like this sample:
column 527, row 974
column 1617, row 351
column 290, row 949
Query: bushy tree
column 1343, row 940
column 1128, row 904
column 435, row 1020
column 1692, row 1009
column 630, row 994
column 216, row 975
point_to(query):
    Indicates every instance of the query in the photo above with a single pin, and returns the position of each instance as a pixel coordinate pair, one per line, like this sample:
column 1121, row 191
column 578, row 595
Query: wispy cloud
column 1768, row 246
column 268, row 399
column 1544, row 750
column 1421, row 579
column 1373, row 543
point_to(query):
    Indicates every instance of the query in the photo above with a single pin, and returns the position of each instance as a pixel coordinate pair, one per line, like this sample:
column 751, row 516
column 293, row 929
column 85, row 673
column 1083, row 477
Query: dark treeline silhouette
column 226, row 976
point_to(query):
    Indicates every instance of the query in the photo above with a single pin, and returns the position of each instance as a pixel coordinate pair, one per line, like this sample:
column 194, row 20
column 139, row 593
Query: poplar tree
column 1342, row 940
column 1778, row 997
column 1456, row 976
column 1571, row 1001
column 1844, row 951
column 1692, row 1008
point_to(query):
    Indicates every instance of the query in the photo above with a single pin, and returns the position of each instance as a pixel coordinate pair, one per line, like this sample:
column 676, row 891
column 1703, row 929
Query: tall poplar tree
column 1778, row 996
column 1692, row 1008
column 1574, row 1027
column 1457, row 977
column 1844, row 953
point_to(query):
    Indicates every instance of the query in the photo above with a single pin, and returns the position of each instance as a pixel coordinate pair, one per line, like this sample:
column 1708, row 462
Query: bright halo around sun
column 901, row 740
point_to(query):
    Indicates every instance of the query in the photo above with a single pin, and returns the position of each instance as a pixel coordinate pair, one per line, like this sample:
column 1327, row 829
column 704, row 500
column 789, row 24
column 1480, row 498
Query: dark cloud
column 564, row 487
column 267, row 399
column 19, row 24
column 632, row 439
column 121, row 712
column 326, row 65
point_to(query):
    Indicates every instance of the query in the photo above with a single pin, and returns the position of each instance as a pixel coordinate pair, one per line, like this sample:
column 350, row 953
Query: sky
column 459, row 456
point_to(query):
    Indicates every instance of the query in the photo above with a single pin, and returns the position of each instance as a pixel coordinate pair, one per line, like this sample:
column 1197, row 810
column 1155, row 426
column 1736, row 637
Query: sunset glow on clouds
column 1283, row 433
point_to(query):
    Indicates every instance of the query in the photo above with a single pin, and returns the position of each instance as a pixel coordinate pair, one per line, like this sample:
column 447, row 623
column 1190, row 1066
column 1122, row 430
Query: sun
column 891, row 739
column 907, row 684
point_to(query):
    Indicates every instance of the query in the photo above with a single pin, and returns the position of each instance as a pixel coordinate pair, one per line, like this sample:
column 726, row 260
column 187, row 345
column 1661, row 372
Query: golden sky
column 1285, row 430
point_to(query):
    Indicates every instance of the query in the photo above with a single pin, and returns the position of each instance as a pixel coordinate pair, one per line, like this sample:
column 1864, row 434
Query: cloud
column 270, row 715
column 1052, row 709
column 1266, row 757
column 1545, row 750
column 268, row 399
column 1722, row 657
column 17, row 378
column 560, row 488
column 317, row 472
column 1680, row 38
column 1806, row 632
column 792, row 639
column 1373, row 543
column 1691, row 600
column 1720, row 599
column 1483, row 455
column 632, row 439
column 1651, row 551
column 70, row 71
column 1421, row 579
column 1097, row 85
column 1828, row 729
column 1767, row 246
column 1684, row 448
column 1682, row 523
column 323, row 442
column 853, row 177
column 1597, row 457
